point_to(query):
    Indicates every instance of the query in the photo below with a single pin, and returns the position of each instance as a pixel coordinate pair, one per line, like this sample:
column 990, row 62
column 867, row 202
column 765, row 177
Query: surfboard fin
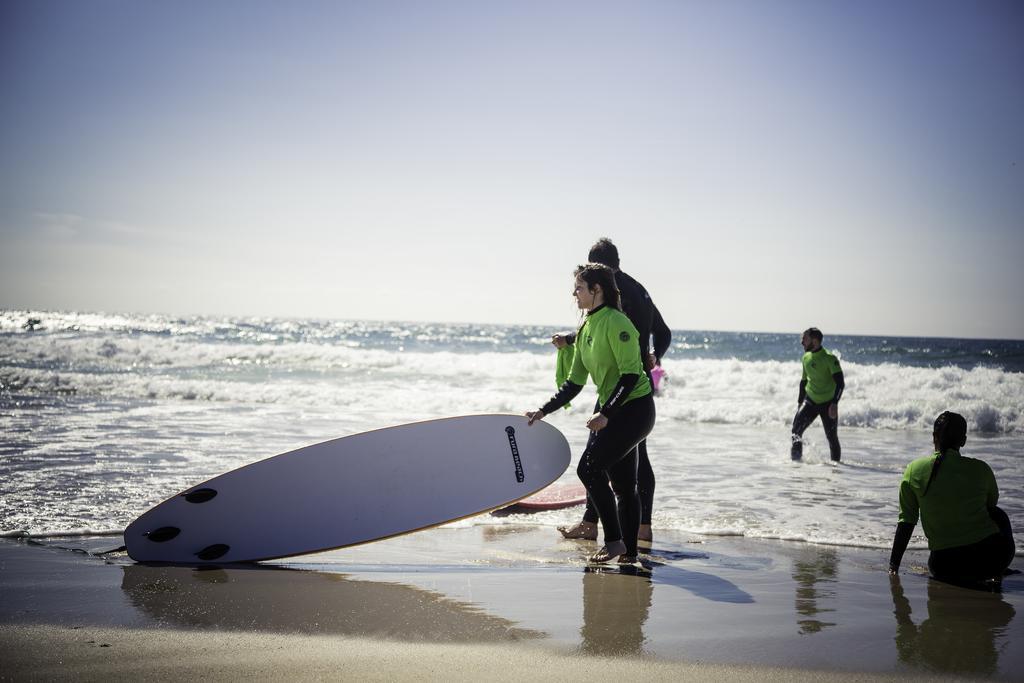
column 199, row 495
column 212, row 552
column 164, row 533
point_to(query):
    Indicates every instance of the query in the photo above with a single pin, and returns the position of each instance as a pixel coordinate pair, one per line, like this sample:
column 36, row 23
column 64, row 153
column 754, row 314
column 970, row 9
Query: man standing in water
column 821, row 387
column 645, row 316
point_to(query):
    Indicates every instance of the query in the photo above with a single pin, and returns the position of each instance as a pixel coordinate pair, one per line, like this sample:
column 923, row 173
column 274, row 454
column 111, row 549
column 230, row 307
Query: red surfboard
column 558, row 495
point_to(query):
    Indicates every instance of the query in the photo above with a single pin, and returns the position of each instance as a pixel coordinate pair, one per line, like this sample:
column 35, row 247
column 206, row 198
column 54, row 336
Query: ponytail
column 950, row 432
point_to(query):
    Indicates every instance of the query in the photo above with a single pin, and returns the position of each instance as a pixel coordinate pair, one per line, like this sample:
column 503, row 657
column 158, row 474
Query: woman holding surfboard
column 607, row 352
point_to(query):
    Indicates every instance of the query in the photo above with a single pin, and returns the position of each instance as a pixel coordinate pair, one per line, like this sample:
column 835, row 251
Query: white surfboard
column 353, row 490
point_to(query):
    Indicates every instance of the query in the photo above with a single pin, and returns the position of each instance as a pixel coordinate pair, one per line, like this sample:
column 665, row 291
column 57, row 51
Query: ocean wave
column 705, row 391
column 383, row 335
column 886, row 396
column 60, row 533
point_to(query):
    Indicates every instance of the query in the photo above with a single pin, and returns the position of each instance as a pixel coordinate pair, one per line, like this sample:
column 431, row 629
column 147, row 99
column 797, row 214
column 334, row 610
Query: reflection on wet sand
column 617, row 601
column 961, row 633
column 615, row 608
column 299, row 601
column 815, row 573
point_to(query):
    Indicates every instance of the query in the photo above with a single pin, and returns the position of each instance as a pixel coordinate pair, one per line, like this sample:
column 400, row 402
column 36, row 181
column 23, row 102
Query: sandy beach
column 502, row 603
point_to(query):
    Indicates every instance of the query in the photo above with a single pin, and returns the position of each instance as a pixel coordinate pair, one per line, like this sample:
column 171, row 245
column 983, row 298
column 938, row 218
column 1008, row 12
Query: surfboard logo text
column 515, row 453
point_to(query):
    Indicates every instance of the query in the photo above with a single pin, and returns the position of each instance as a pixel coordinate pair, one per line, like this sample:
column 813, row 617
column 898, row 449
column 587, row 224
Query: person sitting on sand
column 955, row 496
column 608, row 352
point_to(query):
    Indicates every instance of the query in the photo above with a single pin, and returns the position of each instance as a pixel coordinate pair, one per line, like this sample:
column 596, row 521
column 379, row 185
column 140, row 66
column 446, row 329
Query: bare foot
column 584, row 530
column 645, row 533
column 609, row 552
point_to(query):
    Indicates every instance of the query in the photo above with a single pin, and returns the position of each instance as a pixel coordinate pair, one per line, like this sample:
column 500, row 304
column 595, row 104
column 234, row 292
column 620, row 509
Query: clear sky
column 762, row 165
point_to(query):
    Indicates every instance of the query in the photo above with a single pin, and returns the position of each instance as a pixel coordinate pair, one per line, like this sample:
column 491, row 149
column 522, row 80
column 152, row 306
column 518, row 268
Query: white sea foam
column 62, row 533
column 885, row 396
column 711, row 391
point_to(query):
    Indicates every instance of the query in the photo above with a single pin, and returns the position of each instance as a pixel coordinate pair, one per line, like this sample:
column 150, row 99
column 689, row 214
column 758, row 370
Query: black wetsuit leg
column 1002, row 520
column 831, row 433
column 804, row 417
column 590, row 514
column 611, row 457
column 986, row 559
column 644, row 471
column 644, row 488
column 644, row 483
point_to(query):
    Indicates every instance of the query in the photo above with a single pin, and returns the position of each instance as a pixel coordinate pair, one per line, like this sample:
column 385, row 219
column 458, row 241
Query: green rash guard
column 606, row 349
column 819, row 366
column 955, row 511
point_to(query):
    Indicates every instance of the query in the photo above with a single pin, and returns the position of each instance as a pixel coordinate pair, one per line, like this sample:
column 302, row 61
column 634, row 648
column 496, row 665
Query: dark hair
column 600, row 274
column 604, row 252
column 814, row 333
column 950, row 432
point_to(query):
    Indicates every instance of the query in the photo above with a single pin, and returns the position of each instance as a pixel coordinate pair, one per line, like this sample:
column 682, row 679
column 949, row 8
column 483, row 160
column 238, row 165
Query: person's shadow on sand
column 960, row 634
column 707, row 586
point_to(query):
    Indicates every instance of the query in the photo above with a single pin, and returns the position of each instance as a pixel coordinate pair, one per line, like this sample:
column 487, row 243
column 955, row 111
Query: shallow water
column 103, row 416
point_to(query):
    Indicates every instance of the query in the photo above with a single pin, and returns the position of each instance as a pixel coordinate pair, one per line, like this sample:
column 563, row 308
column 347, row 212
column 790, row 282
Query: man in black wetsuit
column 641, row 311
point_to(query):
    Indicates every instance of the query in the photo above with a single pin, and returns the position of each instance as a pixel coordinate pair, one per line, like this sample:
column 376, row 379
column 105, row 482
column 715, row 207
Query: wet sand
column 503, row 603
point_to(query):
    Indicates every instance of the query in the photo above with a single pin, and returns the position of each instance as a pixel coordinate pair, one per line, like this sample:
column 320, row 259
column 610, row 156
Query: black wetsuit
column 646, row 318
column 804, row 417
column 955, row 498
column 607, row 354
column 823, row 371
column 987, row 558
